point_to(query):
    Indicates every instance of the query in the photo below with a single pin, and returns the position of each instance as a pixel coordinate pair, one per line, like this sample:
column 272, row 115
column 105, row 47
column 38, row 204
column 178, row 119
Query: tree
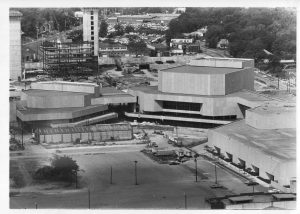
column 129, row 28
column 137, row 46
column 213, row 35
column 248, row 30
column 64, row 167
column 103, row 29
column 119, row 29
column 76, row 36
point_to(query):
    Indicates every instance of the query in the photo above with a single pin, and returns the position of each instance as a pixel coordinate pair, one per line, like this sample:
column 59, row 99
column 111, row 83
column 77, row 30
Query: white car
column 273, row 191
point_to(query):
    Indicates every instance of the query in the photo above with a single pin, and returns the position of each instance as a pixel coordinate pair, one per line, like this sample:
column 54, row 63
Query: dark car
column 174, row 163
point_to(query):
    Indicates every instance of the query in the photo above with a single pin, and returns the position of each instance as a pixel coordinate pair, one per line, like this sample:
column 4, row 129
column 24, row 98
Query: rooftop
column 110, row 91
column 83, row 129
column 43, row 93
column 15, row 13
column 279, row 143
column 70, row 83
column 200, row 70
column 245, row 94
column 111, row 45
column 275, row 108
column 28, row 111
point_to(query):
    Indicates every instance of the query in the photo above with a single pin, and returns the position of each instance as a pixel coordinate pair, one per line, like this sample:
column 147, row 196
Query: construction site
column 67, row 59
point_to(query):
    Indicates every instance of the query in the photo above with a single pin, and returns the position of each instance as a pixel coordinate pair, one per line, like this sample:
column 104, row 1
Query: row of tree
column 248, row 30
column 61, row 19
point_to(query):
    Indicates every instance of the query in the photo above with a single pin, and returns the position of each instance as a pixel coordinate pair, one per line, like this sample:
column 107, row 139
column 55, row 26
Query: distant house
column 193, row 48
column 112, row 50
column 178, row 43
column 78, row 14
column 28, row 54
column 159, row 49
column 223, row 44
column 287, row 61
column 176, row 52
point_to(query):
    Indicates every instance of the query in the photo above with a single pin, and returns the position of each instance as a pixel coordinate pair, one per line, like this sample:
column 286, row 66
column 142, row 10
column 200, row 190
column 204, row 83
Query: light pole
column 111, row 175
column 37, row 42
column 135, row 172
column 89, row 197
column 185, row 201
column 216, row 173
column 22, row 133
column 76, row 179
column 196, row 169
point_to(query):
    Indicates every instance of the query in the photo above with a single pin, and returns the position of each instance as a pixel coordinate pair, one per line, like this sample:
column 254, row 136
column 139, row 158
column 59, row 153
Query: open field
column 160, row 186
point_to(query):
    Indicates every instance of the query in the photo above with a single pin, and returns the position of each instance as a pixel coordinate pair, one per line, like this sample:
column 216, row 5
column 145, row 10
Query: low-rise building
column 112, row 50
column 209, row 90
column 61, row 103
column 99, row 132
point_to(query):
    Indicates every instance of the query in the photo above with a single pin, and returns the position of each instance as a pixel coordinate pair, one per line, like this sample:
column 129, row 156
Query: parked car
column 174, row 163
column 158, row 132
column 154, row 144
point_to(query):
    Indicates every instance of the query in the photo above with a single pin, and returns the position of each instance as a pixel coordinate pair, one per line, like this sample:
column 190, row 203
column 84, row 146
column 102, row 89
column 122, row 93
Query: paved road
column 213, row 52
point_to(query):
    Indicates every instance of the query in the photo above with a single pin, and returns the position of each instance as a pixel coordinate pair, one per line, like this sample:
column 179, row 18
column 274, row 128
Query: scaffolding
column 69, row 59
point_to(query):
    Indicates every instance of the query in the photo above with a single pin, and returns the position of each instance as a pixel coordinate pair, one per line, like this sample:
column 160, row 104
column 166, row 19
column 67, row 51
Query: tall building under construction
column 63, row 59
column 67, row 58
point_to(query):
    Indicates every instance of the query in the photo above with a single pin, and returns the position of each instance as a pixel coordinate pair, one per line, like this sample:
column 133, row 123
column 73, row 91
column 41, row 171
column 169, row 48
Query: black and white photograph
column 150, row 107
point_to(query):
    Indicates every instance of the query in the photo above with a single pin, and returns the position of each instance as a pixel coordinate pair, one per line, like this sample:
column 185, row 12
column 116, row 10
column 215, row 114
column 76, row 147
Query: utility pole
column 135, row 172
column 37, row 42
column 196, row 169
column 76, row 179
column 111, row 175
column 36, row 205
column 89, row 196
column 185, row 201
column 216, row 173
column 22, row 134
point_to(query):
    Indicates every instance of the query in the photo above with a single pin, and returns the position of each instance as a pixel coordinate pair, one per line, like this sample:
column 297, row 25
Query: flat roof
column 283, row 196
column 15, row 13
column 43, row 93
column 83, row 129
column 280, row 143
column 26, row 111
column 69, row 83
column 201, row 70
column 250, row 96
column 241, row 198
column 245, row 94
column 110, row 90
column 275, row 108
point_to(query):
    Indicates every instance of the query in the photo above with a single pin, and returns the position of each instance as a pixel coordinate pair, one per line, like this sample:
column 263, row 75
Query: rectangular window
column 92, row 17
column 182, row 106
column 92, row 33
column 92, row 12
column 92, row 38
column 92, row 23
column 92, row 27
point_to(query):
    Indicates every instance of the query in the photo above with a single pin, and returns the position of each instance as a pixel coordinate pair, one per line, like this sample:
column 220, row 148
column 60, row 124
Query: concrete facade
column 15, row 59
column 91, row 27
column 202, row 80
column 103, row 132
column 216, row 87
column 264, row 141
column 67, row 87
column 58, row 102
column 272, row 116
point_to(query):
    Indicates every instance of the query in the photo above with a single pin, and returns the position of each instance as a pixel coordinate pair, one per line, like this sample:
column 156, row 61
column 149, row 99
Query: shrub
column 62, row 169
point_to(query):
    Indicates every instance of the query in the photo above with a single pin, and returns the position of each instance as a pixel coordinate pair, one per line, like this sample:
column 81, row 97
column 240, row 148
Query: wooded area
column 248, row 30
